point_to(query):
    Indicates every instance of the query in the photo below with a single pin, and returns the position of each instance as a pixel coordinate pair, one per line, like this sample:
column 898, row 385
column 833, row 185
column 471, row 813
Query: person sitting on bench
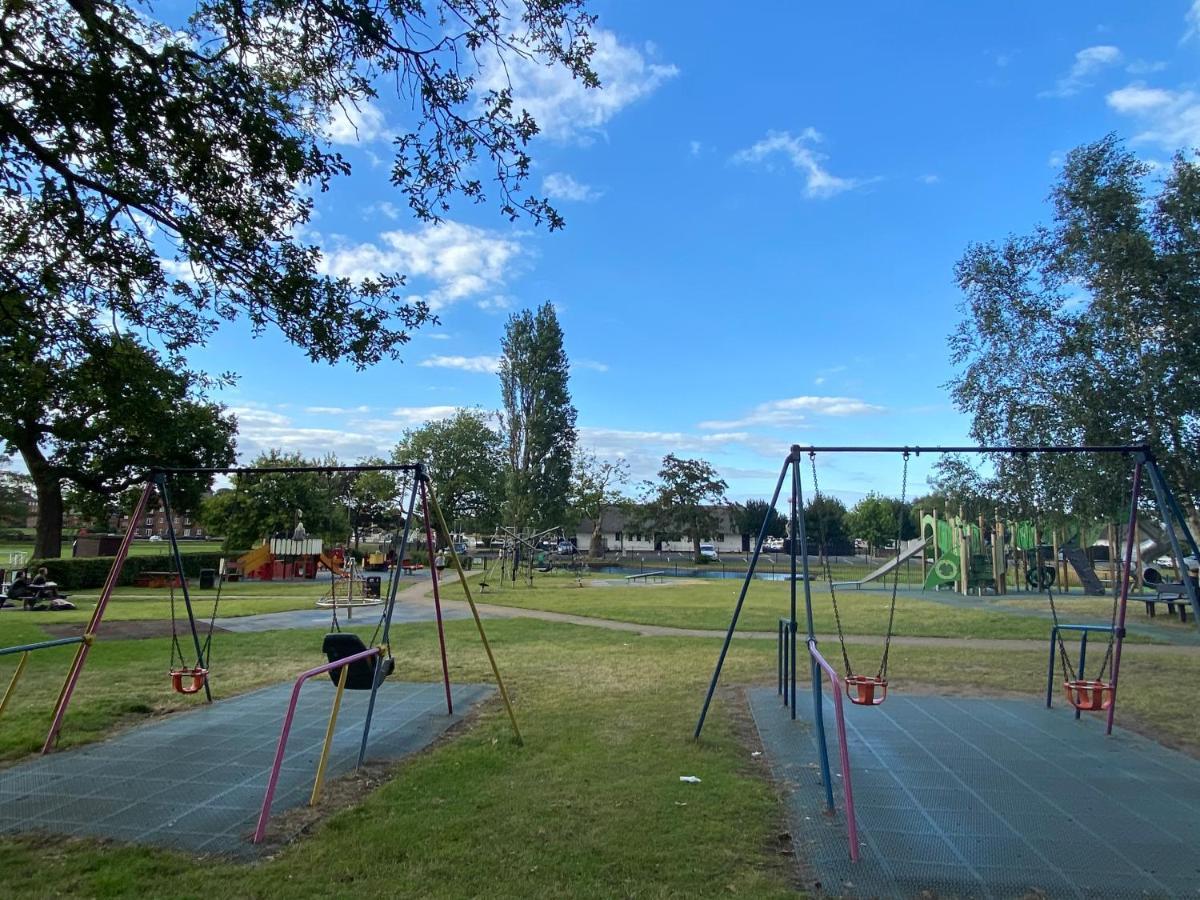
column 22, row 590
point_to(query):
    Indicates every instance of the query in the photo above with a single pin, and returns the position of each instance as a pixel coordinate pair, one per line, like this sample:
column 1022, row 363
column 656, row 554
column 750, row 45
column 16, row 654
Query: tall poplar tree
column 538, row 420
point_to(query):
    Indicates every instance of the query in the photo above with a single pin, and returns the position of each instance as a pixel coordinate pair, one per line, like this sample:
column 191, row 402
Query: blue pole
column 1166, row 504
column 42, row 645
column 201, row 663
column 1083, row 636
column 737, row 610
column 387, row 617
column 814, row 670
column 1050, row 670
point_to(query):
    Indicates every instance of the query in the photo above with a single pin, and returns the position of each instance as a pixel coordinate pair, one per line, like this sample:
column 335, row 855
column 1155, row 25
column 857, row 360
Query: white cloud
column 498, row 303
column 1192, row 17
column 360, row 124
column 561, row 186
column 797, row 150
column 1170, row 119
column 563, row 108
column 419, row 415
column 335, row 410
column 929, row 179
column 795, row 410
column 589, row 364
column 694, row 147
column 1088, row 62
column 486, row 364
column 459, row 260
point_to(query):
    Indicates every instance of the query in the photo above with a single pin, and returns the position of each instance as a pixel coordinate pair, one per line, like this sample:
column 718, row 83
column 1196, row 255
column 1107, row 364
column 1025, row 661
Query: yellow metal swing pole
column 333, row 714
column 462, row 576
column 13, row 683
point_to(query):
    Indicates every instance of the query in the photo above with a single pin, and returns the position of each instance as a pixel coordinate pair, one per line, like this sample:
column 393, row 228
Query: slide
column 908, row 550
column 1083, row 568
column 255, row 559
column 331, row 564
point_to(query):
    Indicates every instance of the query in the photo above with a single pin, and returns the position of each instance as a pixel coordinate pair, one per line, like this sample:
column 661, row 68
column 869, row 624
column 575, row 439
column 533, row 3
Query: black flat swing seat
column 361, row 676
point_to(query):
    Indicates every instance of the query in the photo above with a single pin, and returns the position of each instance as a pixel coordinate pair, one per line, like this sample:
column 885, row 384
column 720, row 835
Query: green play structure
column 966, row 559
column 953, row 540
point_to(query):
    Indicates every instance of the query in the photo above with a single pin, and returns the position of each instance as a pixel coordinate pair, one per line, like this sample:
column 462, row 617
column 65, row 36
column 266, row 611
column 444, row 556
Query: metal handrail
column 264, row 815
column 847, row 789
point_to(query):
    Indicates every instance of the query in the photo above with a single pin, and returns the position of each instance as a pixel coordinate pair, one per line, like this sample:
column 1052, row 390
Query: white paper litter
column 690, row 779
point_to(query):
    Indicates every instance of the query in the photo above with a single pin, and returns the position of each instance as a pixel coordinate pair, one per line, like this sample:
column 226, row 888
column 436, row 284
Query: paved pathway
column 415, row 604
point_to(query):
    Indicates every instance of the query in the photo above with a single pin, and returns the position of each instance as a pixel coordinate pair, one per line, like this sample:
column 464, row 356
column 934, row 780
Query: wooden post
column 1114, row 552
column 998, row 556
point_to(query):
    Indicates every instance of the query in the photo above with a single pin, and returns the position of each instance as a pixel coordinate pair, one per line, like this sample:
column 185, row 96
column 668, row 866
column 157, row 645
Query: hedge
column 91, row 572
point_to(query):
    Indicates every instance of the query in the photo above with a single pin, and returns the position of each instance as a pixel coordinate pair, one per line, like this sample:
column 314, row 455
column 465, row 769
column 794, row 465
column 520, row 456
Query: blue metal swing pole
column 1170, row 495
column 161, row 481
column 814, row 667
column 387, row 618
column 1166, row 506
column 737, row 610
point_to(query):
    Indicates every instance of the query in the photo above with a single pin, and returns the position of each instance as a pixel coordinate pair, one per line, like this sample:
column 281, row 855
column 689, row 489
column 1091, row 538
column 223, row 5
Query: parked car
column 773, row 543
column 708, row 551
column 566, row 547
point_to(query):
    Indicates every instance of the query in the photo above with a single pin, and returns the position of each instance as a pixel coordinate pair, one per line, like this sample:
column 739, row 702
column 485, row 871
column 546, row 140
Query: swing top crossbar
column 281, row 470
column 917, row 450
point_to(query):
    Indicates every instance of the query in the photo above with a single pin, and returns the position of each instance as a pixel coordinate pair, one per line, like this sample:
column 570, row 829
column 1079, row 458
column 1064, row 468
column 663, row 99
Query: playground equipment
column 194, row 677
column 863, row 690
column 1086, row 694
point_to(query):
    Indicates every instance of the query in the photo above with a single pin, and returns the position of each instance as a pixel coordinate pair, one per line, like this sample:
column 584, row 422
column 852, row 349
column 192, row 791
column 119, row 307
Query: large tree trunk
column 48, row 542
column 597, row 549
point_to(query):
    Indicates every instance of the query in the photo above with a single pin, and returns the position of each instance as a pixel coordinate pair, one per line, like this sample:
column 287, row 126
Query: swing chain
column 887, row 643
column 837, row 617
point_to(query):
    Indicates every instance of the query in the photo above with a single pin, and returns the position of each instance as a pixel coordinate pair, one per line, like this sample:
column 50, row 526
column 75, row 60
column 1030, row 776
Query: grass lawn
column 241, row 598
column 590, row 807
column 709, row 605
column 137, row 548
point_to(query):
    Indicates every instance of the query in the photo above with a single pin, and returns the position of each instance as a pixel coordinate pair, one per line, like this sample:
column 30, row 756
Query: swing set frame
column 198, row 675
column 1143, row 464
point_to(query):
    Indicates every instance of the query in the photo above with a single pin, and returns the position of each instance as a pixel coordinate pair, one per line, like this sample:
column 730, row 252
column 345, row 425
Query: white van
column 708, row 551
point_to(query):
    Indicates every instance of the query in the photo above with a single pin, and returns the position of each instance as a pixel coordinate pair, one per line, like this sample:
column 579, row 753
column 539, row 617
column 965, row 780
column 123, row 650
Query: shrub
column 91, row 572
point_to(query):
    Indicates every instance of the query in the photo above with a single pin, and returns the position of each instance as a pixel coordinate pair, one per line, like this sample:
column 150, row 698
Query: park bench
column 646, row 576
column 1173, row 595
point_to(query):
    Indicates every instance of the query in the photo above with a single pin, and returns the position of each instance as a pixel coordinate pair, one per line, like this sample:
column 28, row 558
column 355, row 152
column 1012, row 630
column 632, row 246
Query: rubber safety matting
column 986, row 798
column 195, row 781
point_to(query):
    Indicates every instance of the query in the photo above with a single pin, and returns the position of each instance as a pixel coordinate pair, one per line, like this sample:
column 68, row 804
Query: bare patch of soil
column 120, row 629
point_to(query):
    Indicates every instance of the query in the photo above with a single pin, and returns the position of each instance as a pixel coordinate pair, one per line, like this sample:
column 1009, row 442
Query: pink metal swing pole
column 835, row 685
column 110, row 584
column 437, row 600
column 1127, row 570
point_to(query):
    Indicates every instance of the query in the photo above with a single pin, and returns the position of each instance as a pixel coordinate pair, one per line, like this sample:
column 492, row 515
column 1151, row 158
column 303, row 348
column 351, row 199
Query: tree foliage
column 825, row 526
column 538, row 420
column 273, row 504
column 16, row 499
column 1084, row 332
column 373, row 499
column 596, row 485
column 879, row 520
column 99, row 424
column 158, row 176
column 685, row 499
column 748, row 518
column 463, row 458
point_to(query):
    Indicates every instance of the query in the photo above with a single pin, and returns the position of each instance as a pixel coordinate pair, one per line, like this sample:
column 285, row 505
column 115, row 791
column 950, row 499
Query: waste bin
column 371, row 585
column 208, row 579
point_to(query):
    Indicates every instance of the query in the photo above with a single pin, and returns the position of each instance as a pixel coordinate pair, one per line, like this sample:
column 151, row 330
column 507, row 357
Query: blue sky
column 763, row 210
